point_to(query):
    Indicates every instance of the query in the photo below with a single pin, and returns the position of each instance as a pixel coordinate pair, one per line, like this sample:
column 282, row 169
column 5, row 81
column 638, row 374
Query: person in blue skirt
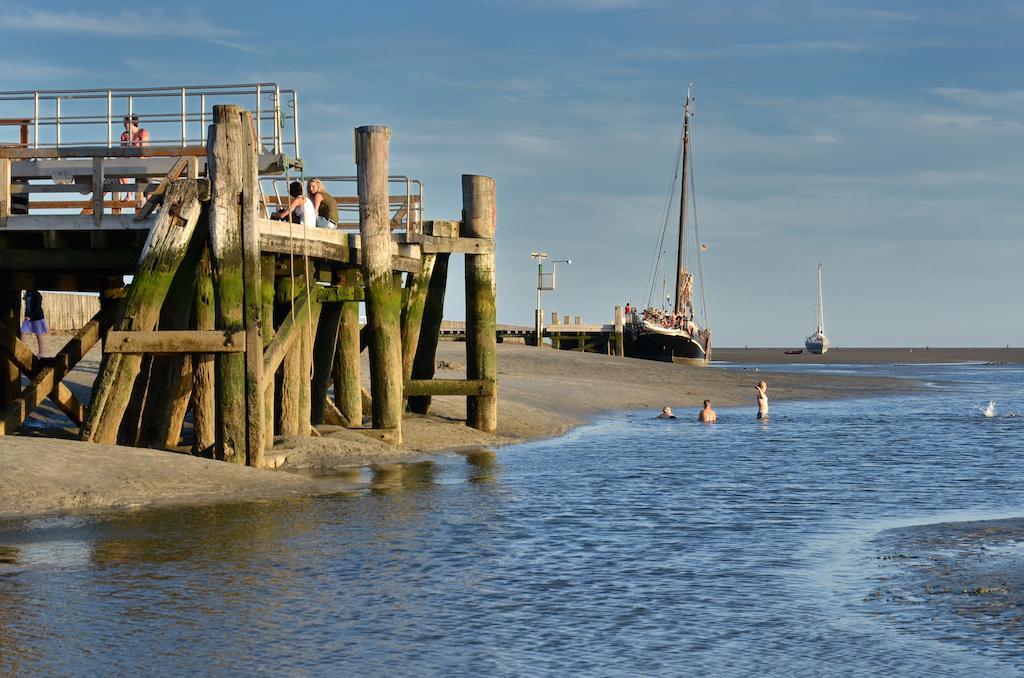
column 35, row 321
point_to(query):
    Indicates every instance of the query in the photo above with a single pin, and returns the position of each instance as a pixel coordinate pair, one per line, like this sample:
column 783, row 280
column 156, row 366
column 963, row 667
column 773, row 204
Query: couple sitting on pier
column 319, row 209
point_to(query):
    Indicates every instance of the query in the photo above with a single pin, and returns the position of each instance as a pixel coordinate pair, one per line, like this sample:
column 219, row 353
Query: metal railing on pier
column 406, row 199
column 173, row 116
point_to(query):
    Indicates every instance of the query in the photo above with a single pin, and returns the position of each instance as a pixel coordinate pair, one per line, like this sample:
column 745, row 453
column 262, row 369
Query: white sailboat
column 817, row 343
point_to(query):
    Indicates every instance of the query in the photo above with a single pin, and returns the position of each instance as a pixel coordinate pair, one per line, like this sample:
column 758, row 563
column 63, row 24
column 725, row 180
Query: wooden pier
column 234, row 328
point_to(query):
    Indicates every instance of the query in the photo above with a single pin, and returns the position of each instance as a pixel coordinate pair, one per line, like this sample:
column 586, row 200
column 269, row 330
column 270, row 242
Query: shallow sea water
column 631, row 546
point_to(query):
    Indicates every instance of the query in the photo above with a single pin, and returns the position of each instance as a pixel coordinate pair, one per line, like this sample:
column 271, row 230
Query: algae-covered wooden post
column 383, row 299
column 252, row 283
column 170, row 386
column 412, row 314
column 161, row 256
column 204, row 396
column 620, row 345
column 425, row 362
column 238, row 300
column 267, row 276
column 348, row 394
column 481, row 319
column 288, row 297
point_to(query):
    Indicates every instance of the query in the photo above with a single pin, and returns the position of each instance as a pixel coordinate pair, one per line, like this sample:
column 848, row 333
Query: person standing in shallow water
column 762, row 400
column 707, row 415
column 35, row 321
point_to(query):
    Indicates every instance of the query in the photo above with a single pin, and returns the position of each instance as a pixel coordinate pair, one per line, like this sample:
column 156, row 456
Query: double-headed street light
column 545, row 281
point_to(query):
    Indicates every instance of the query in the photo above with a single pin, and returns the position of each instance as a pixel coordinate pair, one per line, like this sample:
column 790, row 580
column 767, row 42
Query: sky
column 882, row 139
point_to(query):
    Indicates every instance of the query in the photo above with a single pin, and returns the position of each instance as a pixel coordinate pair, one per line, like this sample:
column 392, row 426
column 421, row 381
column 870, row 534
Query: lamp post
column 545, row 281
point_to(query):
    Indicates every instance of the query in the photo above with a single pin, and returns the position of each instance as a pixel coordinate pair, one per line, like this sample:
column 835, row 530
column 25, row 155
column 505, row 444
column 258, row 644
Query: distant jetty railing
column 177, row 115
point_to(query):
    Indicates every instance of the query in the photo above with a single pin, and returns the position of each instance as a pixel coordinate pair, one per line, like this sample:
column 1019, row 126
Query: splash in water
column 990, row 411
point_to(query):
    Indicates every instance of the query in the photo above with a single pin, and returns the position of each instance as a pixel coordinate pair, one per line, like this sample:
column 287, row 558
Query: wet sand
column 542, row 392
column 871, row 356
column 936, row 580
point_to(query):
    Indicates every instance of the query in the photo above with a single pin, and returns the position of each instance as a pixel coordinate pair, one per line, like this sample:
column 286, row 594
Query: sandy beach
column 542, row 393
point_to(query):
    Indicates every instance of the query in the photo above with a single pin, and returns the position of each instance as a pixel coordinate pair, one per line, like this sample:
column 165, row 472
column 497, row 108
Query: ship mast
column 821, row 305
column 681, row 253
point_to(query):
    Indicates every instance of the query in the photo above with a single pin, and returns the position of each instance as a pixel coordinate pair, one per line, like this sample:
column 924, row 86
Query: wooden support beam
column 16, row 351
column 66, row 401
column 157, row 196
column 335, row 295
column 383, row 300
column 108, row 260
column 450, row 387
column 47, row 381
column 226, row 161
column 161, row 256
column 424, row 363
column 324, row 348
column 5, row 191
column 97, row 192
column 76, row 222
column 269, row 332
column 204, row 398
column 434, row 244
column 347, row 366
column 286, row 334
column 333, row 416
column 481, row 314
column 171, row 342
column 412, row 313
column 252, row 282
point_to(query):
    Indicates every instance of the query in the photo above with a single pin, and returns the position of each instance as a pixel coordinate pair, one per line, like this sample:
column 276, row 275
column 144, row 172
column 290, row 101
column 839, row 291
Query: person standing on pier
column 324, row 204
column 35, row 320
column 762, row 400
column 133, row 135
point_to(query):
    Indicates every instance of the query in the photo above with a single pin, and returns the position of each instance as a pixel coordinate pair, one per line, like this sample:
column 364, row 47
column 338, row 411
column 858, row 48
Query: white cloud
column 127, row 23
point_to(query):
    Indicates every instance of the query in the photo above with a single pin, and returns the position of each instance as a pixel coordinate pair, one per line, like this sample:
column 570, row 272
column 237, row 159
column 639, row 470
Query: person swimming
column 666, row 413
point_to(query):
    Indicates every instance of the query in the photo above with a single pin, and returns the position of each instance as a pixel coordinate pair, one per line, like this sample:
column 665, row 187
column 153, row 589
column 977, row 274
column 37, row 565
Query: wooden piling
column 234, row 240
column 267, row 290
column 324, row 348
column 170, row 388
column 347, row 378
column 383, row 299
column 204, row 397
column 140, row 310
column 417, row 290
column 252, row 283
column 425, row 362
column 10, row 375
column 481, row 316
column 289, row 297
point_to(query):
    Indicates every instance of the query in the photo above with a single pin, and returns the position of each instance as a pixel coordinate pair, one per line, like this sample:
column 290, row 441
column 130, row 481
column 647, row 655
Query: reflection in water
column 625, row 548
column 483, row 464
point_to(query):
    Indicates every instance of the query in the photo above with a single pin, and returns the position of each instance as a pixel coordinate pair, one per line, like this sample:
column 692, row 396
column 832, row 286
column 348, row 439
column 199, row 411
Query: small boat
column 796, row 352
column 817, row 343
column 674, row 335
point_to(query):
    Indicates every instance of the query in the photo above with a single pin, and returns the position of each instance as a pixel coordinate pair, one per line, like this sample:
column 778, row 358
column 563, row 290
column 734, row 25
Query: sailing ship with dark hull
column 674, row 335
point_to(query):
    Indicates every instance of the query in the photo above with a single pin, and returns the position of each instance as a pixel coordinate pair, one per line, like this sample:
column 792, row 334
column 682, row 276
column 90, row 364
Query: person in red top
column 133, row 136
